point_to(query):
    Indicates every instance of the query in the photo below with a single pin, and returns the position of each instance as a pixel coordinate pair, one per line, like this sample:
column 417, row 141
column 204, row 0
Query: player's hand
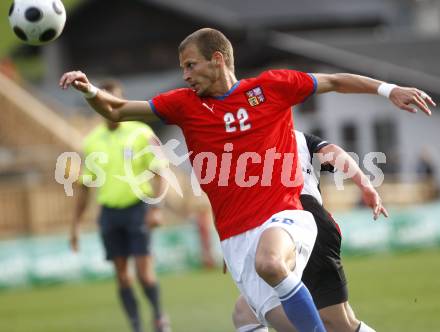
column 74, row 239
column 77, row 79
column 154, row 217
column 409, row 99
column 372, row 199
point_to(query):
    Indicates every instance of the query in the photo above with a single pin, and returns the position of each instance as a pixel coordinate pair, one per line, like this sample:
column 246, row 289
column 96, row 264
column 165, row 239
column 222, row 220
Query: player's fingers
column 66, row 80
column 430, row 101
column 408, row 108
column 426, row 97
column 72, row 76
column 422, row 100
column 384, row 211
column 376, row 212
column 80, row 86
column 376, row 208
column 62, row 79
column 421, row 104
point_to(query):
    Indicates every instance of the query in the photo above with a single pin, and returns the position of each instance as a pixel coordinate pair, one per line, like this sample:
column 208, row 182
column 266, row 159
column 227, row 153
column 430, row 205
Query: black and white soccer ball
column 37, row 22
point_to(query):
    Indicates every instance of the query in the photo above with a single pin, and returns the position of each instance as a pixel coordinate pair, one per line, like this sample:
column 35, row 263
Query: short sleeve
column 314, row 145
column 168, row 106
column 292, row 86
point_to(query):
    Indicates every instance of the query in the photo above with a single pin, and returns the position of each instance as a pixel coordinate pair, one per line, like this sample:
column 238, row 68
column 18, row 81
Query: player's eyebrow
column 186, row 63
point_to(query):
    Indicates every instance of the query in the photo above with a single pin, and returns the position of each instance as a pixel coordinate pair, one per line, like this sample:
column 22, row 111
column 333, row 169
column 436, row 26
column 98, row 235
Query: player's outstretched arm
column 343, row 162
column 109, row 106
column 408, row 99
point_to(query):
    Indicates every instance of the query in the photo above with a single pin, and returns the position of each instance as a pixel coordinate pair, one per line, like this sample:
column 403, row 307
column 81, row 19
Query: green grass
column 196, row 302
column 397, row 292
column 393, row 293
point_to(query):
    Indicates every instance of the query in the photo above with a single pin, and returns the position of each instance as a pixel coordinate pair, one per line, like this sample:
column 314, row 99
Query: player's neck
column 224, row 84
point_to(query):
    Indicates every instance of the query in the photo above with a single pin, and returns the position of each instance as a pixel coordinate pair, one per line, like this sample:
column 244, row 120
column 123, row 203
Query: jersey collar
column 235, row 86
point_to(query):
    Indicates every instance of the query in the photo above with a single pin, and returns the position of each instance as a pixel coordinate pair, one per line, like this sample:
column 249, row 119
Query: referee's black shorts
column 324, row 275
column 124, row 232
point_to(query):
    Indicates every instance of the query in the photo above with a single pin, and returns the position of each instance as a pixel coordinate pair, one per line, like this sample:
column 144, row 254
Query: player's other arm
column 341, row 160
column 109, row 106
column 405, row 98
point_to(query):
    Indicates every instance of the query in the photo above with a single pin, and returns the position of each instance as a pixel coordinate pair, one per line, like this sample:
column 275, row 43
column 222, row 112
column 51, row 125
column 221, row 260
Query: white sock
column 287, row 285
column 365, row 328
column 253, row 328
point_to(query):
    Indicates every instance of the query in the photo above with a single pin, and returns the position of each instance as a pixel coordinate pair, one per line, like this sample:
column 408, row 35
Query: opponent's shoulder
column 300, row 137
column 301, row 142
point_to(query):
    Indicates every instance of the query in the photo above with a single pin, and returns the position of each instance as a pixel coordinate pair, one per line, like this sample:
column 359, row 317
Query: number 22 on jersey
column 238, row 121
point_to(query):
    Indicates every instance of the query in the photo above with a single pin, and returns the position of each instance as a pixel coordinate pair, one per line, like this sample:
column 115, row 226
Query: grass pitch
column 393, row 293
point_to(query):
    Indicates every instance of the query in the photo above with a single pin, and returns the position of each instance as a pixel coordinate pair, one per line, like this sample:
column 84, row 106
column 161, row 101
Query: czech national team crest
column 255, row 96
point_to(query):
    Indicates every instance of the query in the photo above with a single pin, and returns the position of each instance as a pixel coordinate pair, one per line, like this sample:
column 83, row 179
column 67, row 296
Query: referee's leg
column 139, row 238
column 114, row 240
column 126, row 294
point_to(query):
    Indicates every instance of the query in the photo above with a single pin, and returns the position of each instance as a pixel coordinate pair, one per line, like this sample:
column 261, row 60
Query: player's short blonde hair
column 209, row 41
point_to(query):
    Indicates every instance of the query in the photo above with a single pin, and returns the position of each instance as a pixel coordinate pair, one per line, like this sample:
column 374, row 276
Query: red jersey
column 243, row 146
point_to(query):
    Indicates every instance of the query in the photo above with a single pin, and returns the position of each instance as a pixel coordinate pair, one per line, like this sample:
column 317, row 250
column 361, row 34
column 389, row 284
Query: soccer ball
column 37, row 22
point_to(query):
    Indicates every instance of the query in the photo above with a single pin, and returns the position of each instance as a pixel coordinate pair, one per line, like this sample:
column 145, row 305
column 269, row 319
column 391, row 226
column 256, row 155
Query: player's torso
column 230, row 139
column 249, row 118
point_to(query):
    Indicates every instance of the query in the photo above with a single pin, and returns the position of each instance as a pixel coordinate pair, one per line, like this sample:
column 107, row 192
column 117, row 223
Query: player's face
column 199, row 73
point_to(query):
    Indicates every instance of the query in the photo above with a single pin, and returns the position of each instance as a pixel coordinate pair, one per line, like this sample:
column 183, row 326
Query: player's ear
column 217, row 57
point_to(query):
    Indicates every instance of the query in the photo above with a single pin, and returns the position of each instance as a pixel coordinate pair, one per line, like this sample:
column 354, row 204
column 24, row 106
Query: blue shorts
column 124, row 232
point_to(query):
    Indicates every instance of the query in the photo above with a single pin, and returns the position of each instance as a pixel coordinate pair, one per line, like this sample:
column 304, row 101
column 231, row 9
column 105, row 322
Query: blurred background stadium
column 392, row 266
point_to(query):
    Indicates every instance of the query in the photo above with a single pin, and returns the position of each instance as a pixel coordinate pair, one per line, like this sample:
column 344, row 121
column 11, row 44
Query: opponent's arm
column 111, row 107
column 80, row 207
column 154, row 216
column 404, row 98
column 341, row 160
column 156, row 163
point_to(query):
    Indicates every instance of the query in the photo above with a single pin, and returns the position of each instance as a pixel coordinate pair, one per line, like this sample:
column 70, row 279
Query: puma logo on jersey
column 211, row 109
